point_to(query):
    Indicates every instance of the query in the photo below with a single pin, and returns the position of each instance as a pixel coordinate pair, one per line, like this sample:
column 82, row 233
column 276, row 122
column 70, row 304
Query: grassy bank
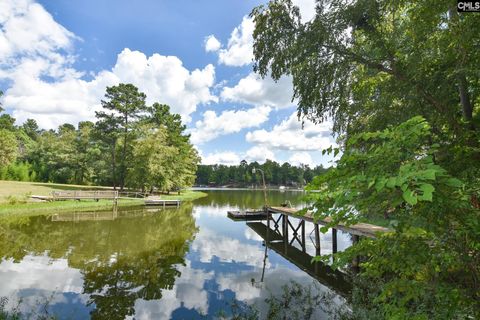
column 15, row 198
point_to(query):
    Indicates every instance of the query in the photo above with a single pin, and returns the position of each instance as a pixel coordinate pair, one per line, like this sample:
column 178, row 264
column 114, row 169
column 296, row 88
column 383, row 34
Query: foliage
column 399, row 81
column 148, row 254
column 241, row 175
column 8, row 147
column 428, row 265
column 107, row 152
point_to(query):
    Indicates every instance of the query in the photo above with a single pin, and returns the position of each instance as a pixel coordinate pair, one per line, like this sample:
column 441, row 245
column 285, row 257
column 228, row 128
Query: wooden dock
column 248, row 215
column 105, row 194
column 334, row 279
column 162, row 202
column 79, row 195
column 359, row 229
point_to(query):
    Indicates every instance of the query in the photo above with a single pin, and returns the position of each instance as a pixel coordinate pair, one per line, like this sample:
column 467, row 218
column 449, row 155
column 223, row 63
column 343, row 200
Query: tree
column 428, row 266
column 183, row 156
column 8, row 147
column 399, row 81
column 128, row 102
column 30, row 127
column 152, row 156
column 369, row 63
column 107, row 134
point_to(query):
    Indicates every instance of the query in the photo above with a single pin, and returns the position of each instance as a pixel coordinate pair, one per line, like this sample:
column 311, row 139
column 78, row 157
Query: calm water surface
column 186, row 263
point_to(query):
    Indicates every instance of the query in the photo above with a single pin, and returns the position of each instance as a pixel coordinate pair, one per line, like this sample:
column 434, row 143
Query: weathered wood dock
column 359, row 229
column 162, row 202
column 248, row 215
column 334, row 279
column 80, row 195
column 106, row 195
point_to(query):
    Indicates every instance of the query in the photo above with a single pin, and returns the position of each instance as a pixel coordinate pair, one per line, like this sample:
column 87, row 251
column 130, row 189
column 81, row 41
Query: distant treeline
column 129, row 145
column 241, row 175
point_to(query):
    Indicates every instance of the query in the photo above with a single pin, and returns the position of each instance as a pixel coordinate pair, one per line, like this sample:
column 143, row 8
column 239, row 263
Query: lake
column 180, row 263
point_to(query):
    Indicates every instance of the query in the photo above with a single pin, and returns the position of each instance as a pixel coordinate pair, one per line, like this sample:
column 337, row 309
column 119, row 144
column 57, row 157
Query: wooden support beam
column 304, row 246
column 334, row 240
column 317, row 240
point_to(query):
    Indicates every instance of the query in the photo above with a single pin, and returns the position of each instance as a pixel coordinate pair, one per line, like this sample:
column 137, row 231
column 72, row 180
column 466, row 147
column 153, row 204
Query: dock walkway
column 359, row 229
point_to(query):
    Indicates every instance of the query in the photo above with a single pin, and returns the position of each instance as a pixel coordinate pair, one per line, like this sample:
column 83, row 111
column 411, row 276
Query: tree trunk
column 114, row 168
column 124, row 154
column 464, row 96
column 462, row 83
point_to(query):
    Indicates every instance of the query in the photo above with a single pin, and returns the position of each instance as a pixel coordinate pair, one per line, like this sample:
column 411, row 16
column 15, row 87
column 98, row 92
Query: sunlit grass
column 15, row 198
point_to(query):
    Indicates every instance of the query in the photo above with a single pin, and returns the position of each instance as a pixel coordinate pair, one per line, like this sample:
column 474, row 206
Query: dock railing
column 80, row 194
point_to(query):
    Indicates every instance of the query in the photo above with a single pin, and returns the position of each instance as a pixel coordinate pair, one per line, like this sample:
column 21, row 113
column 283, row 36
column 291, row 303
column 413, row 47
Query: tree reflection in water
column 121, row 260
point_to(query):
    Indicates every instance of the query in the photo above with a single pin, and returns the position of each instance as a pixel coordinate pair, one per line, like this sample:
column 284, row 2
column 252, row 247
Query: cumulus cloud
column 34, row 49
column 259, row 154
column 27, row 29
column 228, row 158
column 289, row 135
column 229, row 121
column 239, row 50
column 212, row 44
column 300, row 158
column 254, row 90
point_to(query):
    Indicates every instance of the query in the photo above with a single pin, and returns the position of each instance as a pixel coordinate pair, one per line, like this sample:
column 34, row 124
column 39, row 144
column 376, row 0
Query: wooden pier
column 333, row 279
column 106, row 195
column 80, row 195
column 162, row 202
column 359, row 229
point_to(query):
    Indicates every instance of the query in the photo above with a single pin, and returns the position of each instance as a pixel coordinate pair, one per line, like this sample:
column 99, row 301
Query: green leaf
column 427, row 190
column 454, row 182
column 391, row 182
column 410, row 197
column 429, row 174
column 336, row 151
column 371, row 183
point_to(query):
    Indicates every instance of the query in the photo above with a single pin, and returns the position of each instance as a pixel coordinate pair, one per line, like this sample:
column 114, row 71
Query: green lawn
column 15, row 198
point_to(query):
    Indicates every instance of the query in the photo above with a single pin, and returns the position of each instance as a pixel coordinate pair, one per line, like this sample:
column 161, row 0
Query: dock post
column 334, row 240
column 356, row 260
column 304, row 247
column 285, row 232
column 317, row 240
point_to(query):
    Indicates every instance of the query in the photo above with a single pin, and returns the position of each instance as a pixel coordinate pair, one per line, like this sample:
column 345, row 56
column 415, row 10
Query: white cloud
column 259, row 154
column 210, row 244
column 27, row 29
column 229, row 121
column 254, row 90
column 300, row 158
column 228, row 158
column 34, row 49
column 289, row 135
column 212, row 44
column 239, row 51
column 307, row 9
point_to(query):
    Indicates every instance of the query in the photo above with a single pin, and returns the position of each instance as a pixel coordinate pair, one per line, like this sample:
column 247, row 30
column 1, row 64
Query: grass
column 15, row 198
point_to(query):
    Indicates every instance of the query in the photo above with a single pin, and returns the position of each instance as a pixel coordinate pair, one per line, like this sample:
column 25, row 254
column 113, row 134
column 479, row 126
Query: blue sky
column 57, row 57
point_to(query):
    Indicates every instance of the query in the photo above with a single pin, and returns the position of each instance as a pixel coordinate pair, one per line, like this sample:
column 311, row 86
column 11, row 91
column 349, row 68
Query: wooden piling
column 317, row 240
column 334, row 240
column 304, row 246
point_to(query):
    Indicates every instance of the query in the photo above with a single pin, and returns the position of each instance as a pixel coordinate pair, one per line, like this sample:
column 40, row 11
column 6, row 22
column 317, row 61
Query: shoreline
column 16, row 199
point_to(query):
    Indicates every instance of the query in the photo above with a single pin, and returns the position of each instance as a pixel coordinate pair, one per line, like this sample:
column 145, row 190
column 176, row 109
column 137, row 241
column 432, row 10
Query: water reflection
column 191, row 262
column 119, row 260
